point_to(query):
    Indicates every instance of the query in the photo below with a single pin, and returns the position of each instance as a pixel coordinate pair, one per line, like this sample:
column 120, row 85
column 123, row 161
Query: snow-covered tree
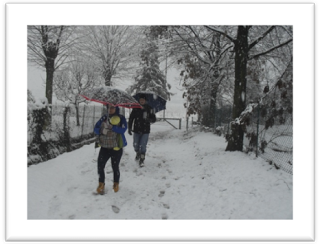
column 249, row 44
column 71, row 81
column 115, row 49
column 149, row 77
column 202, row 58
column 48, row 48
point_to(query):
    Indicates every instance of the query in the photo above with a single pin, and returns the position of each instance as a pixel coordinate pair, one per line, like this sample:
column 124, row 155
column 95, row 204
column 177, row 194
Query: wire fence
column 270, row 139
column 268, row 129
column 78, row 127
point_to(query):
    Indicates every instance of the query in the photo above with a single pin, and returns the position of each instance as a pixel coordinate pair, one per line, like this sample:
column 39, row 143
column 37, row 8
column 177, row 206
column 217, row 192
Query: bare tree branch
column 270, row 50
column 220, row 31
column 261, row 37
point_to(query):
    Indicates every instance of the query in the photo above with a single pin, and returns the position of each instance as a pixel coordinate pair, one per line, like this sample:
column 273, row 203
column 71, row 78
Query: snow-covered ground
column 188, row 175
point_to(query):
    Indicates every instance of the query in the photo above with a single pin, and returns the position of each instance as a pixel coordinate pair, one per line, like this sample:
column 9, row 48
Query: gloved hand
column 130, row 133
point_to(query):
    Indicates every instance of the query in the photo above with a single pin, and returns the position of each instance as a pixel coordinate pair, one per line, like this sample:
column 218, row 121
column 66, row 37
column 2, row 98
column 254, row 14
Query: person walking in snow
column 110, row 129
column 142, row 119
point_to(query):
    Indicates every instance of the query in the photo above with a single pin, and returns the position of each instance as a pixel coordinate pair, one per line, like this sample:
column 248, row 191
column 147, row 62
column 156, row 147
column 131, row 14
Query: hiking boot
column 116, row 186
column 141, row 161
column 137, row 156
column 100, row 189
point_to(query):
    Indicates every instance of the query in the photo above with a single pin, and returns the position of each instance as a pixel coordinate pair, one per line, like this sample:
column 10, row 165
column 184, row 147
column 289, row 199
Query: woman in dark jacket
column 141, row 118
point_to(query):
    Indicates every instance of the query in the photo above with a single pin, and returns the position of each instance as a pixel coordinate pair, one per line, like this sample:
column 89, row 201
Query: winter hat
column 143, row 96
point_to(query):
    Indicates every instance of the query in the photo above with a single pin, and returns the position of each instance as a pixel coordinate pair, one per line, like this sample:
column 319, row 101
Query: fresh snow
column 188, row 175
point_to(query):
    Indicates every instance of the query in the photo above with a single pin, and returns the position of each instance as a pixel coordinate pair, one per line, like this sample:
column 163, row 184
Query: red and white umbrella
column 112, row 96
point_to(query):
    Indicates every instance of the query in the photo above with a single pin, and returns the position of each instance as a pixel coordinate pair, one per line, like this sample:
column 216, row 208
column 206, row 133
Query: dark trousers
column 104, row 155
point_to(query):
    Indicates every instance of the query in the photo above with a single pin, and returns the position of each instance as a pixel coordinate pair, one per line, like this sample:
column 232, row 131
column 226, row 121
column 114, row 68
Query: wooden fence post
column 187, row 123
column 257, row 146
column 94, row 113
column 84, row 109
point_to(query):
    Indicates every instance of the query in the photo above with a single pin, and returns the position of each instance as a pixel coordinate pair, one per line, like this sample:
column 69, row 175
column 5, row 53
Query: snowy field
column 188, row 175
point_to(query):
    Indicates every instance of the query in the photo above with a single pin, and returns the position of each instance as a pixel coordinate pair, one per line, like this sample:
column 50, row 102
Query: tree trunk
column 66, row 129
column 107, row 75
column 214, row 86
column 49, row 81
column 235, row 142
column 213, row 103
column 49, row 88
column 77, row 113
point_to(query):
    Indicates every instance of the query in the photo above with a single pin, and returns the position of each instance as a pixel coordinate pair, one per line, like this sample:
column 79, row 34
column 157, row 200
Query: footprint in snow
column 164, row 216
column 161, row 193
column 72, row 216
column 115, row 209
column 166, row 206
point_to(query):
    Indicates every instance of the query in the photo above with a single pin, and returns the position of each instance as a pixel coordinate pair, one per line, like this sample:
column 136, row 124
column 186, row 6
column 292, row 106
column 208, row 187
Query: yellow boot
column 100, row 189
column 116, row 186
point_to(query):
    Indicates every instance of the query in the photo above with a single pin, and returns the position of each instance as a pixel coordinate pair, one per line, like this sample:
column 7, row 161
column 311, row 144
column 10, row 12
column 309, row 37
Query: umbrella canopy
column 112, row 96
column 155, row 101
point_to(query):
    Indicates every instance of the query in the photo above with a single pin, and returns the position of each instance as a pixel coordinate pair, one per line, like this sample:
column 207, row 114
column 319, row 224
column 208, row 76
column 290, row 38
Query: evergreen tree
column 149, row 77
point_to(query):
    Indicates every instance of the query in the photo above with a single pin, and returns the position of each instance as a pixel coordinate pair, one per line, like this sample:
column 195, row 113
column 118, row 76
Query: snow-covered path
column 187, row 176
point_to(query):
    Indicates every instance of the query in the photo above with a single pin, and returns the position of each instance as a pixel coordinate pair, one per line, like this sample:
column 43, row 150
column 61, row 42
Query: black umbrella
column 112, row 96
column 153, row 100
